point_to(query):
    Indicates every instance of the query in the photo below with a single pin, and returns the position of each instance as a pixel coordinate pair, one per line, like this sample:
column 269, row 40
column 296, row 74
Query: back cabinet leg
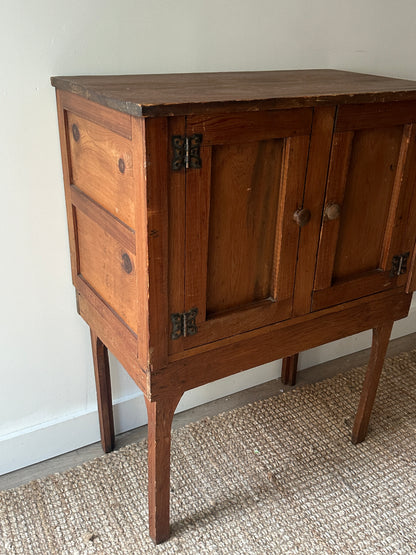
column 103, row 387
column 381, row 337
column 289, row 369
column 160, row 415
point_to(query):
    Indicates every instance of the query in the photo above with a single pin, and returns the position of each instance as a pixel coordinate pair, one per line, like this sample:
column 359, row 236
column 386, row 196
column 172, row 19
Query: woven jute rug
column 276, row 476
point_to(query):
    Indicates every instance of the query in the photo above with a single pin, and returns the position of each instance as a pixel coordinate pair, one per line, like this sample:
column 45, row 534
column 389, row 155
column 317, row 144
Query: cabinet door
column 367, row 228
column 239, row 239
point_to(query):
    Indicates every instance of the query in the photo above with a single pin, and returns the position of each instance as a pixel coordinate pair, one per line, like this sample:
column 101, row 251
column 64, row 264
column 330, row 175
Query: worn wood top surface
column 203, row 93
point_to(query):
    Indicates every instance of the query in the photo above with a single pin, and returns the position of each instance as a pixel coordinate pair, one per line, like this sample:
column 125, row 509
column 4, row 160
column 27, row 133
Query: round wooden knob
column 302, row 216
column 332, row 211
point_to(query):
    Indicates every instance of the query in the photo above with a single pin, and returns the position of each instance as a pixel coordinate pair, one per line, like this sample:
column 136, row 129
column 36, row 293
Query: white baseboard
column 56, row 437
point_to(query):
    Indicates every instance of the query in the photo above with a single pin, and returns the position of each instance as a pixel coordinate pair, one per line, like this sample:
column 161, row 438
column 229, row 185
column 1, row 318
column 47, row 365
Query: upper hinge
column 183, row 323
column 186, row 152
column 399, row 264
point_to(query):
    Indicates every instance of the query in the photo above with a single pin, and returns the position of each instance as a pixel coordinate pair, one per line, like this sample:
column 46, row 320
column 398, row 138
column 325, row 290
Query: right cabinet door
column 368, row 221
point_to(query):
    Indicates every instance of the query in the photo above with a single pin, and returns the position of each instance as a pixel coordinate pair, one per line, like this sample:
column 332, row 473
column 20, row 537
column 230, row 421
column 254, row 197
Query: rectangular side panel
column 108, row 268
column 101, row 165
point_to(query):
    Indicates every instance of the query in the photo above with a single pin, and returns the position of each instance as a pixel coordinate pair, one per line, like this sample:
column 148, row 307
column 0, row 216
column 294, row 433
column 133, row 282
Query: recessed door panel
column 245, row 186
column 367, row 198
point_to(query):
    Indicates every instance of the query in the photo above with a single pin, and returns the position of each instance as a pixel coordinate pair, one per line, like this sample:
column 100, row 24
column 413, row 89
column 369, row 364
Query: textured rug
column 276, row 476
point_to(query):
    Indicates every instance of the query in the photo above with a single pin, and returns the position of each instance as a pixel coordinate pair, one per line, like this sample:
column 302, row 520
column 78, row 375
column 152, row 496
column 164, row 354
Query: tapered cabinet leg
column 289, row 369
column 381, row 337
column 160, row 415
column 103, row 386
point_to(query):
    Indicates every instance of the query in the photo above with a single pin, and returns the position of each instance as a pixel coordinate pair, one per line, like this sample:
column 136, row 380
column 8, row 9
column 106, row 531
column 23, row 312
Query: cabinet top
column 181, row 94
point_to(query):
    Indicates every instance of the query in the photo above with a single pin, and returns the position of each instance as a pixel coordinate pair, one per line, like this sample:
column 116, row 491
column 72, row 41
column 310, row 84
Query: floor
column 275, row 387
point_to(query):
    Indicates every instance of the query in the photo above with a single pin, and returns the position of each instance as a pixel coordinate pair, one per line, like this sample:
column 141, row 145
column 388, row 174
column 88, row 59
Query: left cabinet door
column 235, row 223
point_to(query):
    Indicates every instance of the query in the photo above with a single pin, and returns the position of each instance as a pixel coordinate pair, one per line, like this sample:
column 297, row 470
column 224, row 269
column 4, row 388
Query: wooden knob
column 332, row 211
column 302, row 216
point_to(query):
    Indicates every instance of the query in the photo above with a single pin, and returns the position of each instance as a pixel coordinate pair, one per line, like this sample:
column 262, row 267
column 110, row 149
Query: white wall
column 47, row 397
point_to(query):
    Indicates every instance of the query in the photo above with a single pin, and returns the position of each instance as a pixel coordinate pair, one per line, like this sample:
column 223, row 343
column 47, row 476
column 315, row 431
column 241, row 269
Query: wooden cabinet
column 221, row 221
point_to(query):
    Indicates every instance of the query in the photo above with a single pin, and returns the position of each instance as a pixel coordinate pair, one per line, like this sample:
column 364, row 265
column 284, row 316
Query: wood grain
column 114, row 120
column 156, row 141
column 177, row 235
column 95, row 167
column 366, row 202
column 141, row 247
column 257, row 126
column 377, row 115
column 411, row 282
column 114, row 227
column 245, row 190
column 354, row 287
column 250, row 268
column 63, row 138
column 203, row 93
column 226, row 357
column 112, row 331
column 101, row 264
column 289, row 369
column 197, row 225
column 381, row 336
column 337, row 178
column 103, row 387
column 319, row 150
column 160, row 414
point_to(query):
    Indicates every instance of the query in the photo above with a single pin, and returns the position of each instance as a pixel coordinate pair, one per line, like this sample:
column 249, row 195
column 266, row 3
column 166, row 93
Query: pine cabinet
column 222, row 221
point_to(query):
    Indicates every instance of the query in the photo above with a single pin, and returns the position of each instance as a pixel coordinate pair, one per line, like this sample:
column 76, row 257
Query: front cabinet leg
column 103, row 386
column 381, row 337
column 160, row 415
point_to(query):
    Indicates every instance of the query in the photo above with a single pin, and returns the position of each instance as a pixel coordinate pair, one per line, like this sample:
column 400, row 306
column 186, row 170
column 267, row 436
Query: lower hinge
column 183, row 323
column 399, row 264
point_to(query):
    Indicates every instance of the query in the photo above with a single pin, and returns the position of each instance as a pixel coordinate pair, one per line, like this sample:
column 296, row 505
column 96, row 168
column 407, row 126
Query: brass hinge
column 399, row 264
column 183, row 323
column 186, row 152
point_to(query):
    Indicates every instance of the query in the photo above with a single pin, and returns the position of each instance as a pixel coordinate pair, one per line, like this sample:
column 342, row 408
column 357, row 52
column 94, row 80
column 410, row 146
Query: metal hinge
column 183, row 323
column 186, row 152
column 399, row 264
